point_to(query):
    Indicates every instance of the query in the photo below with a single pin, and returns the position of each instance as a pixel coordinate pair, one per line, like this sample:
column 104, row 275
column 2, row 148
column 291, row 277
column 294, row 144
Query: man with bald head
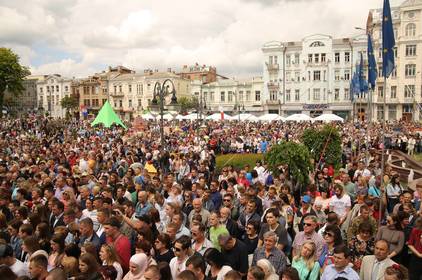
column 143, row 206
column 374, row 266
column 198, row 209
column 231, row 225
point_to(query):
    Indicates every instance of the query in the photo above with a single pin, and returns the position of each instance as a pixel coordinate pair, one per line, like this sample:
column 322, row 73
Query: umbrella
column 148, row 116
column 245, row 117
column 329, row 118
column 299, row 118
column 217, row 117
column 270, row 118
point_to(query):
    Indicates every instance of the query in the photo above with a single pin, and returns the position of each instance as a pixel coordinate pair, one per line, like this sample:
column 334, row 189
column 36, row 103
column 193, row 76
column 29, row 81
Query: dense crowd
column 89, row 203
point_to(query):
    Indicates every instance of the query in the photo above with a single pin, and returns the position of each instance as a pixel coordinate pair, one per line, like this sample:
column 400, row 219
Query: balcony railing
column 272, row 85
column 273, row 67
column 117, row 94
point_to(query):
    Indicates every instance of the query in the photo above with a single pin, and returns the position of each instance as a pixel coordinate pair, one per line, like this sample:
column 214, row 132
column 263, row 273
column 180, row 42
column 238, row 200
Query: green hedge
column 238, row 160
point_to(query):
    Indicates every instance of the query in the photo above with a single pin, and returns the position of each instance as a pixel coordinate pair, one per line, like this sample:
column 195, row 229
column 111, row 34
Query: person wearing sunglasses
column 182, row 251
column 310, row 224
column 332, row 237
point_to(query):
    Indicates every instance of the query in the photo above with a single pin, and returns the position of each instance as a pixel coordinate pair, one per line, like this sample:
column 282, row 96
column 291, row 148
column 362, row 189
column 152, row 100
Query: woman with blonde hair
column 109, row 257
column 306, row 262
column 70, row 266
column 268, row 269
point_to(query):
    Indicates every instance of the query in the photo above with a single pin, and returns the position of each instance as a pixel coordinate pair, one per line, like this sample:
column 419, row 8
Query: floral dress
column 360, row 248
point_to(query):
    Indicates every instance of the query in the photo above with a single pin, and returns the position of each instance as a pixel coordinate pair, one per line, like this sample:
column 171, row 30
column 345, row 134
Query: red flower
column 396, row 266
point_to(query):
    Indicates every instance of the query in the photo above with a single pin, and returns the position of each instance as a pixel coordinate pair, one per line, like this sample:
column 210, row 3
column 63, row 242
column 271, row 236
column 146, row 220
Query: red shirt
column 415, row 239
column 122, row 247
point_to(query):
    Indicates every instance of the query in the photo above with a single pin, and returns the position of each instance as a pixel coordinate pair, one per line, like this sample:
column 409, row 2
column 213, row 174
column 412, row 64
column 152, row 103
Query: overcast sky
column 81, row 37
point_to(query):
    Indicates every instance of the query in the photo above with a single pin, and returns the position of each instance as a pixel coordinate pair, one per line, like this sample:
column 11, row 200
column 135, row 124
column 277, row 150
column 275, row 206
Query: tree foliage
column 12, row 74
column 69, row 103
column 295, row 155
column 324, row 143
column 187, row 104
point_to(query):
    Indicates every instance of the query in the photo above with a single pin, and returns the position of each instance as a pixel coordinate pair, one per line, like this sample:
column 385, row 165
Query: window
column 347, row 75
column 297, row 95
column 337, row 57
column 394, row 73
column 248, row 95
column 130, row 103
column 393, row 92
column 287, row 95
column 324, row 75
column 257, row 95
column 379, row 71
column 139, row 103
column 409, row 91
column 222, row 96
column 270, row 60
column 346, row 57
column 297, row 76
column 230, row 96
column 87, row 102
column 317, row 75
column 105, row 100
column 392, row 112
column 41, row 89
column 410, row 70
column 317, row 94
column 297, row 59
column 410, row 29
column 120, row 103
column 380, row 91
column 130, row 88
column 66, row 88
column 309, row 75
column 337, row 94
column 323, row 57
column 288, row 76
column 273, row 95
column 115, row 89
column 316, row 59
column 410, row 50
column 211, row 96
column 241, row 95
column 52, row 88
column 288, row 59
column 407, row 108
column 57, row 88
column 310, row 58
column 275, row 59
column 120, row 90
column 337, row 75
column 346, row 94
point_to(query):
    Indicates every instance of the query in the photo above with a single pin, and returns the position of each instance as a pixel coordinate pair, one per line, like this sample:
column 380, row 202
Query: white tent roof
column 270, row 117
column 148, row 116
column 167, row 116
column 329, row 118
column 192, row 116
column 217, row 116
column 298, row 118
column 245, row 117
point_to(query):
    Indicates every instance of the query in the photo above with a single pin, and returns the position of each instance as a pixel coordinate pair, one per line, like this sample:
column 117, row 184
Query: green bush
column 237, row 160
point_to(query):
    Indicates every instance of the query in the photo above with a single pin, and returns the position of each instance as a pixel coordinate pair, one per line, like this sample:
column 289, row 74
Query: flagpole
column 383, row 147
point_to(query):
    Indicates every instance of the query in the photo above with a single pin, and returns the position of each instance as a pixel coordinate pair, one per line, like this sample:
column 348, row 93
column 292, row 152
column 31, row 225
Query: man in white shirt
column 7, row 258
column 340, row 203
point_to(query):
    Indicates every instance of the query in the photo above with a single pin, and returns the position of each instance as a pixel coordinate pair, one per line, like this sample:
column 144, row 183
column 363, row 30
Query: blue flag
column 387, row 41
column 363, row 85
column 354, row 86
column 372, row 65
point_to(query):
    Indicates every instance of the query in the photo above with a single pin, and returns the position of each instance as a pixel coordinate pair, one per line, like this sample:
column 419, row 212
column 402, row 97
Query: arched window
column 411, row 29
column 317, row 44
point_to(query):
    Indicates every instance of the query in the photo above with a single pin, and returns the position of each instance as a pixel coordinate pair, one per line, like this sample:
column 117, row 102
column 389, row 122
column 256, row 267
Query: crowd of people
column 78, row 202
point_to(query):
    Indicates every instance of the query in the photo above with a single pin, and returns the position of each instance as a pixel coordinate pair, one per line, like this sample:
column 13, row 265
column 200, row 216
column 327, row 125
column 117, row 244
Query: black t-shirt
column 166, row 257
column 237, row 258
column 251, row 244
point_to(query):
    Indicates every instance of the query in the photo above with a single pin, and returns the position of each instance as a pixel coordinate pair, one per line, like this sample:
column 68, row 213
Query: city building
column 231, row 96
column 26, row 102
column 50, row 91
column 311, row 76
column 204, row 74
column 404, row 86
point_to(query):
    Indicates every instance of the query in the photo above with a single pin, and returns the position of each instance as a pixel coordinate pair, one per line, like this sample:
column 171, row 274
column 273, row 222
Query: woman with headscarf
column 137, row 265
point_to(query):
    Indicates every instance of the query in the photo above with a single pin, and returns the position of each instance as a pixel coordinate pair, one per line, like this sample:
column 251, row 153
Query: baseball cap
column 306, row 199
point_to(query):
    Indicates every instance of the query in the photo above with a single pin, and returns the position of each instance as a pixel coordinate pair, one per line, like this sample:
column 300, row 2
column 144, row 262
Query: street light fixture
column 162, row 90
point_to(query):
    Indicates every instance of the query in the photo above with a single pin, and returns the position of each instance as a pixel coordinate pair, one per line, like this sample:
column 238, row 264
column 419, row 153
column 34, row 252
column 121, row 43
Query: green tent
column 107, row 116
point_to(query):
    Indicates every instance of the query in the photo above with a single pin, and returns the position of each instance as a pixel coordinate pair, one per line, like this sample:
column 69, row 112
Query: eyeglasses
column 249, row 228
column 329, row 234
column 308, row 224
column 177, row 249
column 227, row 200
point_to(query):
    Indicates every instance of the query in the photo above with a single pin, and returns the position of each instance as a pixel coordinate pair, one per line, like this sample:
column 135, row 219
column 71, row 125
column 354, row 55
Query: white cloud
column 167, row 33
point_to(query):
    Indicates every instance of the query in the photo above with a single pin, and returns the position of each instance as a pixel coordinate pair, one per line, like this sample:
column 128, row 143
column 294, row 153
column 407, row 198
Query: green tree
column 295, row 155
column 324, row 143
column 69, row 103
column 12, row 74
column 187, row 104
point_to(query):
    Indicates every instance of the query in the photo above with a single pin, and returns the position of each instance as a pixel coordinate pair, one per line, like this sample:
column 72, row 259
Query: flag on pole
column 372, row 65
column 354, row 86
column 363, row 85
column 388, row 42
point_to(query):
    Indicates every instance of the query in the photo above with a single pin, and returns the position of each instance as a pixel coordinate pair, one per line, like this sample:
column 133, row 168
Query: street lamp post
column 161, row 90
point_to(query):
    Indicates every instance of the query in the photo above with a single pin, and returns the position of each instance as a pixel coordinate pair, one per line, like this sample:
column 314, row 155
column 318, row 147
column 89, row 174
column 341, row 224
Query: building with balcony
column 50, row 91
column 311, row 76
column 26, row 102
column 204, row 74
column 404, row 86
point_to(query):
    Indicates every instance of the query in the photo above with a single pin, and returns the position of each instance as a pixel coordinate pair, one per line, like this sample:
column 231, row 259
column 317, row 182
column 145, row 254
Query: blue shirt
column 330, row 273
column 142, row 209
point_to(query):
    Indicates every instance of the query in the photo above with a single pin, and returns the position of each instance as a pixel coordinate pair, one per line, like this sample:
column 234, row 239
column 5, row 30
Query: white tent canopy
column 148, row 116
column 270, row 118
column 329, row 118
column 245, row 117
column 299, row 118
column 217, row 117
column 192, row 117
column 167, row 116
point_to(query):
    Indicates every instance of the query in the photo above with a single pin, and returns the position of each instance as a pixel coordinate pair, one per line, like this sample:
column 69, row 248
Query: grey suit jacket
column 368, row 264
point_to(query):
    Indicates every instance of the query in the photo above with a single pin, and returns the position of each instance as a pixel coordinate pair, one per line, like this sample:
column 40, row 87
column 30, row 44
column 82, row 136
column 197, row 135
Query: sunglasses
column 177, row 249
column 227, row 200
column 250, row 228
column 308, row 224
column 329, row 234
